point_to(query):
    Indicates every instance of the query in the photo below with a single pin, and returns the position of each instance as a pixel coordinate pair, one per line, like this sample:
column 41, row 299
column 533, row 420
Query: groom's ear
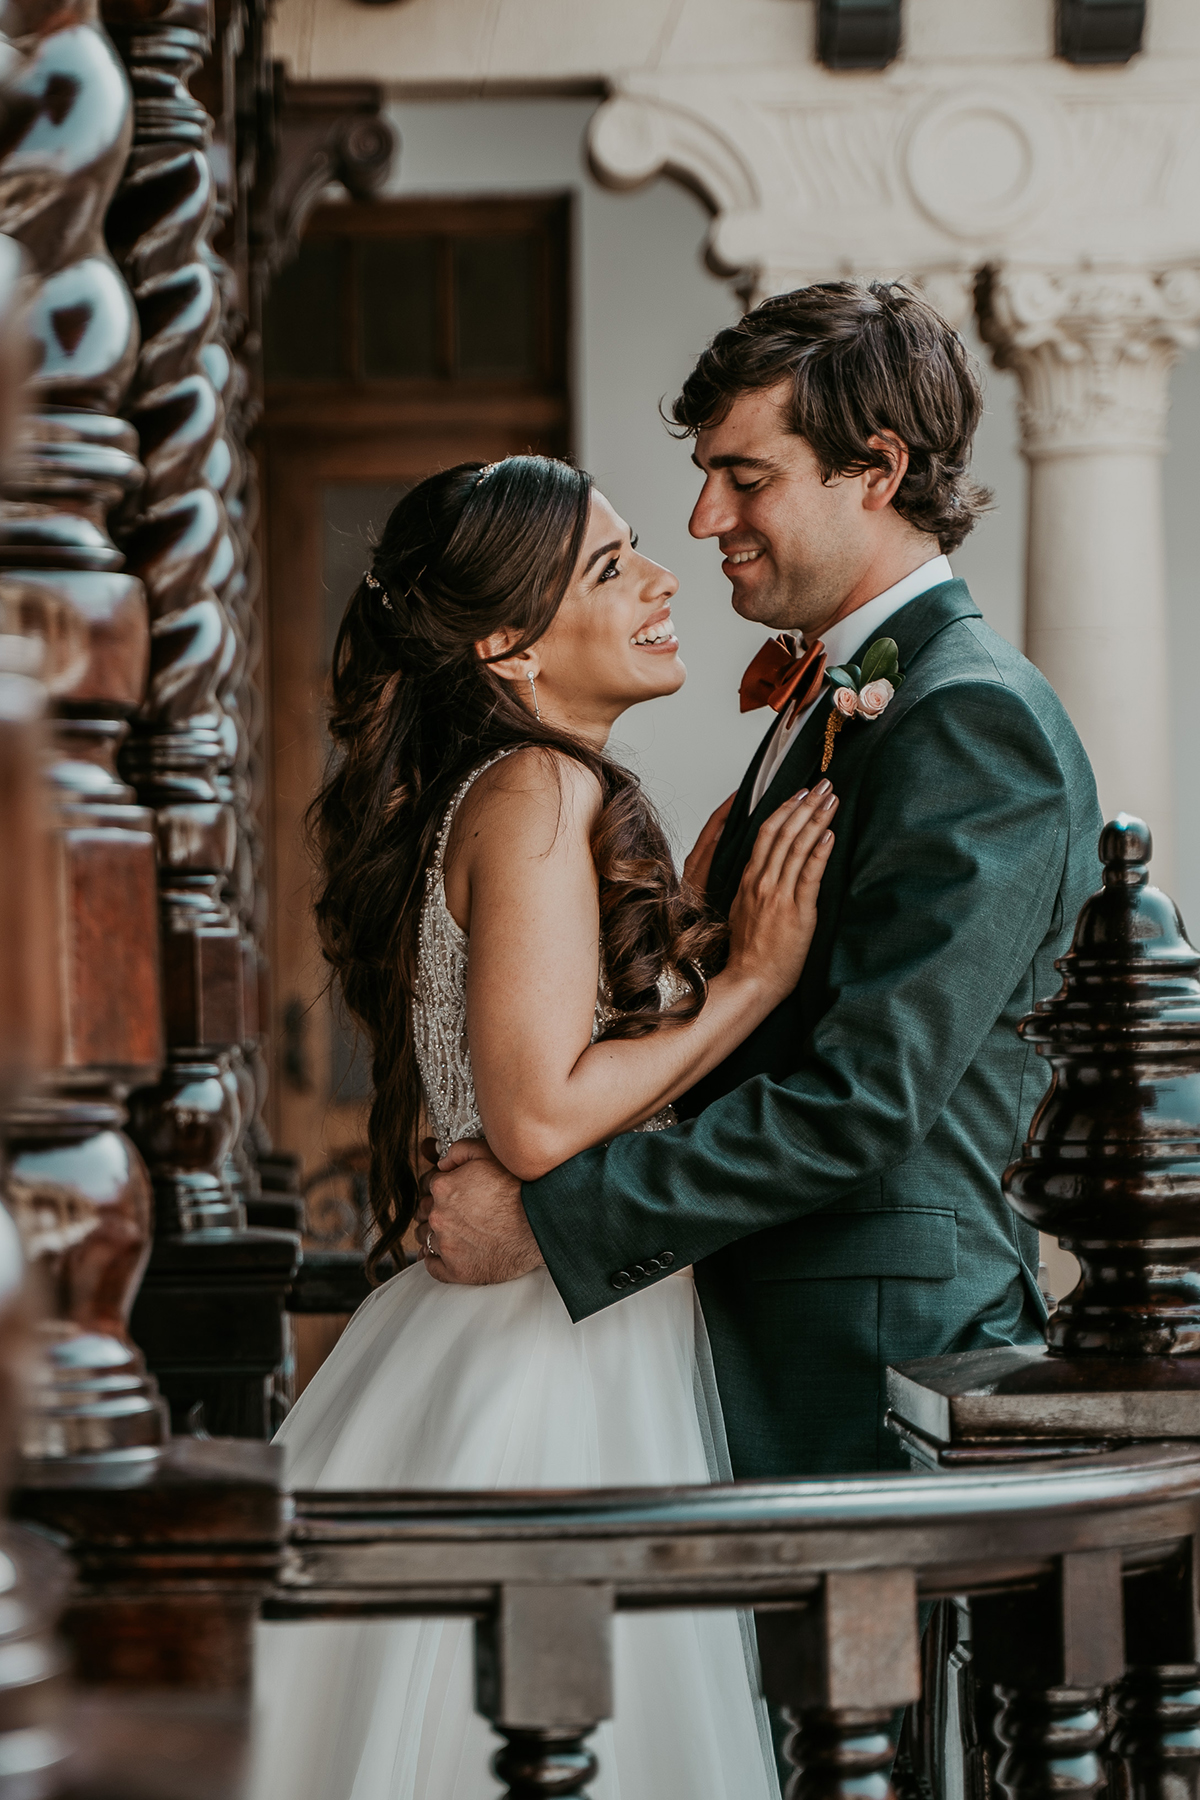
column 880, row 485
column 492, row 649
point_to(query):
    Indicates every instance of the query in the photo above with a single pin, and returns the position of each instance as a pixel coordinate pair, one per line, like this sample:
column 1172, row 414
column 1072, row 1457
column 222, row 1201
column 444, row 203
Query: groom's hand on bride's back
column 471, row 1225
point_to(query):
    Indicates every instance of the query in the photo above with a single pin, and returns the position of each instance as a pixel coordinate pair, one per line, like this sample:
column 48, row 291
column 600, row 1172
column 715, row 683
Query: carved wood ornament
column 77, row 1186
column 189, row 754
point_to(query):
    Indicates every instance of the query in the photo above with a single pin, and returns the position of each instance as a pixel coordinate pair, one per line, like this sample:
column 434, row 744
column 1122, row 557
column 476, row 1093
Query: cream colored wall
column 424, row 44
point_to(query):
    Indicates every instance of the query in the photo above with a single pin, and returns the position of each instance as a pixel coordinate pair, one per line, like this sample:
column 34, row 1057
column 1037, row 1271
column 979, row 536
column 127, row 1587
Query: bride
column 508, row 620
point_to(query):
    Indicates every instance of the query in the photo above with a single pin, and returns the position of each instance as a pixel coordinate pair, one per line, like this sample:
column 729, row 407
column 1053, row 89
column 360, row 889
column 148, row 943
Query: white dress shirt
column 859, row 627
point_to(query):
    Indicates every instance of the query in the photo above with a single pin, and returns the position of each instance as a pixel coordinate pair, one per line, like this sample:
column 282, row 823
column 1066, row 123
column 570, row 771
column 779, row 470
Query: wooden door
column 432, row 367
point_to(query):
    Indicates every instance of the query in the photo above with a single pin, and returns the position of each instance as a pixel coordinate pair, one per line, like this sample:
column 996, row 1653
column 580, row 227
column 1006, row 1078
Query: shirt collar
column 861, row 626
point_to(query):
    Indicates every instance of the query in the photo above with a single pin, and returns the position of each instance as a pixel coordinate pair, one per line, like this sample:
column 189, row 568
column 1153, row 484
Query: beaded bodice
column 440, row 1006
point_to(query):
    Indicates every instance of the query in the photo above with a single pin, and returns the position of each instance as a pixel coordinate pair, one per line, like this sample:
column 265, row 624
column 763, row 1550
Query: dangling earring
column 537, row 711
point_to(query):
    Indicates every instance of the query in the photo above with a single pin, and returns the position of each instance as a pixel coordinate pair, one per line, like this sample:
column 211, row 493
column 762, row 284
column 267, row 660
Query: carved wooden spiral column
column 35, row 635
column 210, row 1310
column 77, row 1186
column 33, row 1573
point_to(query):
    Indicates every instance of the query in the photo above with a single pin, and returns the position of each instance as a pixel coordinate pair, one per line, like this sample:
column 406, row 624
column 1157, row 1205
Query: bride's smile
column 613, row 641
column 658, row 636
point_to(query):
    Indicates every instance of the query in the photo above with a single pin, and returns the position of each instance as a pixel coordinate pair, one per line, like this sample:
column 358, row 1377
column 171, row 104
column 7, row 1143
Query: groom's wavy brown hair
column 860, row 358
column 414, row 710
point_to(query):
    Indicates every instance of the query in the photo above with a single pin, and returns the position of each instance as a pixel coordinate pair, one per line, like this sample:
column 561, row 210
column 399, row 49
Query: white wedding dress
column 467, row 1387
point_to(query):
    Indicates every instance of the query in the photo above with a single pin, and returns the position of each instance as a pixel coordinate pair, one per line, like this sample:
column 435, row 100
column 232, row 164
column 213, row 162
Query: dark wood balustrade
column 1056, row 1568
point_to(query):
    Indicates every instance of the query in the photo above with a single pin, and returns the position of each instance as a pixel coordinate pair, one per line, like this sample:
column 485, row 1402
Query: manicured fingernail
column 802, row 795
column 822, row 787
column 827, row 804
column 827, row 837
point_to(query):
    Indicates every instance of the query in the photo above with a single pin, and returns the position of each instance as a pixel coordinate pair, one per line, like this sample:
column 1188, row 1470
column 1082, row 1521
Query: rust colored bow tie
column 778, row 678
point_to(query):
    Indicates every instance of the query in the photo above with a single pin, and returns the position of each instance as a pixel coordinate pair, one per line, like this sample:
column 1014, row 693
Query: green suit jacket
column 837, row 1185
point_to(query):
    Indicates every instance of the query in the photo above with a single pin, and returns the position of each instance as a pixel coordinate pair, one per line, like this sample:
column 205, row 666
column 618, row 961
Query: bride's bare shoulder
column 532, row 802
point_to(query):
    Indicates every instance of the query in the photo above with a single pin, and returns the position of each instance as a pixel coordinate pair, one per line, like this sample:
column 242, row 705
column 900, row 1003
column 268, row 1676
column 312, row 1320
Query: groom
column 836, row 1182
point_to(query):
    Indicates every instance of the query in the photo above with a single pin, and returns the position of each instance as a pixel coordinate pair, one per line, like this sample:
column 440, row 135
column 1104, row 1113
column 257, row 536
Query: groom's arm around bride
column 836, row 1182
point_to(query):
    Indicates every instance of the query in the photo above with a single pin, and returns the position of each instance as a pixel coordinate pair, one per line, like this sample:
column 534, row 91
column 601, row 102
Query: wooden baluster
column 842, row 1754
column 1157, row 1739
column 77, row 1186
column 840, row 1668
column 537, row 1764
column 210, row 1313
column 1052, row 1740
column 34, row 1574
column 1050, row 1654
column 239, row 86
column 543, row 1668
column 1155, row 1746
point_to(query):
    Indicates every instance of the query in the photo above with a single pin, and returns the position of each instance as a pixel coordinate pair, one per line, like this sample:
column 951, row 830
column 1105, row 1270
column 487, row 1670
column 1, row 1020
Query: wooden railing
column 1073, row 1629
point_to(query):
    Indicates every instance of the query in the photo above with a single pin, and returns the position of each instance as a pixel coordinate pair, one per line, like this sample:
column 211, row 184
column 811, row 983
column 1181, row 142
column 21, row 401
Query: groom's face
column 794, row 546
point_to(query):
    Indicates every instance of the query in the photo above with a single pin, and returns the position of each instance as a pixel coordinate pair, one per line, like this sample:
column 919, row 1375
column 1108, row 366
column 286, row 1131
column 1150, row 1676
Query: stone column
column 1092, row 350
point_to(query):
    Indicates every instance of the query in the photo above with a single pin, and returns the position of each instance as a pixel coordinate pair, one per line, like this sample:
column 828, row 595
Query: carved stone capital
column 1092, row 349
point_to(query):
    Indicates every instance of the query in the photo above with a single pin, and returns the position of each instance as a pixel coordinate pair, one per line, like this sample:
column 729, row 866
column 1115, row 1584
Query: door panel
column 450, row 332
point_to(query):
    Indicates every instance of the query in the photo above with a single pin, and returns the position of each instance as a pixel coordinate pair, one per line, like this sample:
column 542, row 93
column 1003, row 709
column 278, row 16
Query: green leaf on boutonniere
column 840, row 677
column 882, row 661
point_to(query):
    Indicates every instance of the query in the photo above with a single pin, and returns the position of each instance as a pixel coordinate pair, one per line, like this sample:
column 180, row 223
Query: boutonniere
column 862, row 693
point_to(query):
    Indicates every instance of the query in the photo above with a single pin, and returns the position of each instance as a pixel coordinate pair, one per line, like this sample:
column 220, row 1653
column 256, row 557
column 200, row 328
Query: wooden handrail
column 1047, row 1554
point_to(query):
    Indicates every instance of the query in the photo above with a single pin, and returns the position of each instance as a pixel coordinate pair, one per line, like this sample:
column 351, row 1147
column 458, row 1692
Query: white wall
column 645, row 304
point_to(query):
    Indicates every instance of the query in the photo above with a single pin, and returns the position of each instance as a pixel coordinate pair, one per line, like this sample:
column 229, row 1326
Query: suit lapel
column 912, row 628
column 735, row 824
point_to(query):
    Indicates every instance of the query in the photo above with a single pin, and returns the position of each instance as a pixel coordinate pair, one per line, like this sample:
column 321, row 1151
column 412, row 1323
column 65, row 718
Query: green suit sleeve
column 958, row 847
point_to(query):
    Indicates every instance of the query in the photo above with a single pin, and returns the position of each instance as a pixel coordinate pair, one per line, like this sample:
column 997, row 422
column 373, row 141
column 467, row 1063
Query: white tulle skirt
column 453, row 1387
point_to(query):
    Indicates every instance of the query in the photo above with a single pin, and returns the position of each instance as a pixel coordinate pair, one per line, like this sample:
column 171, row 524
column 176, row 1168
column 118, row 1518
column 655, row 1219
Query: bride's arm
column 521, row 880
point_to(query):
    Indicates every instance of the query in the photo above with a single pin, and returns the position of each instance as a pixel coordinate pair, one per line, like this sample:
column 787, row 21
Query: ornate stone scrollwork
column 633, row 138
column 1093, row 350
column 982, row 160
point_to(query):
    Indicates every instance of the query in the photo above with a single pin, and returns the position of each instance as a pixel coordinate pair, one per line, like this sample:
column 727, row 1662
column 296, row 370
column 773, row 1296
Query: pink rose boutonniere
column 862, row 693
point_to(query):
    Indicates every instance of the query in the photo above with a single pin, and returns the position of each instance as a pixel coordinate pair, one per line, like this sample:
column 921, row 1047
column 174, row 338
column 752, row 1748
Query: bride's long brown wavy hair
column 415, row 709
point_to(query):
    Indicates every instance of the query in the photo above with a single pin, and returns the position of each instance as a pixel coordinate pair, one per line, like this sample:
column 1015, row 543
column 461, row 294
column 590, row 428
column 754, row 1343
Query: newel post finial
column 1112, row 1162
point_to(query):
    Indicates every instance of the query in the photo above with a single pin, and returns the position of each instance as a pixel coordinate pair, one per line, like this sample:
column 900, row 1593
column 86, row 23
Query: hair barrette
column 372, row 582
column 488, row 469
